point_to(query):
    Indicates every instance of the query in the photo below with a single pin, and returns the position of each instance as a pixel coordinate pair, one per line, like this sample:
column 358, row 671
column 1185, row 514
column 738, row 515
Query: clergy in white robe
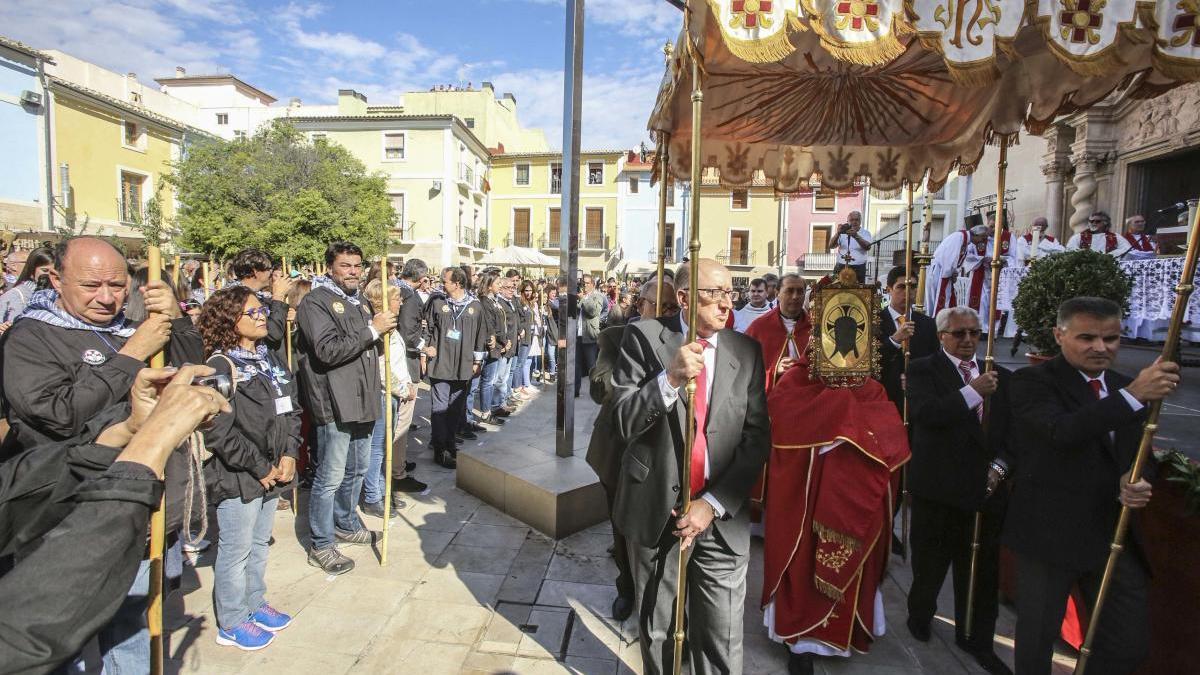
column 1099, row 237
column 1141, row 245
column 1023, row 252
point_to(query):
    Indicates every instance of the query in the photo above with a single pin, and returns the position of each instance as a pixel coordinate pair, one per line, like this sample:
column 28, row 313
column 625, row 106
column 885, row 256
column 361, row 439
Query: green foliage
column 278, row 192
column 1056, row 278
column 1181, row 470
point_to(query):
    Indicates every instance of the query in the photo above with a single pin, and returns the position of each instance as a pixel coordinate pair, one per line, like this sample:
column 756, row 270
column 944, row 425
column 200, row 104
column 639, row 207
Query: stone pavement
column 468, row 589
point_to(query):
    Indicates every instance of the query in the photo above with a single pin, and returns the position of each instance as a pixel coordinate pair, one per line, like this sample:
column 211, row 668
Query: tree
column 278, row 192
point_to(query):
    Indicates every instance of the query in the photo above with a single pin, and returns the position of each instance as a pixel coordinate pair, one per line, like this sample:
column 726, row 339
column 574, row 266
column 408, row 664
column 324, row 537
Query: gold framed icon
column 845, row 345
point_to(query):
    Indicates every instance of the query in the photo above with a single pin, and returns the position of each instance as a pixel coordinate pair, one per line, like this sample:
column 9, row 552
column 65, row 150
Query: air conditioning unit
column 31, row 98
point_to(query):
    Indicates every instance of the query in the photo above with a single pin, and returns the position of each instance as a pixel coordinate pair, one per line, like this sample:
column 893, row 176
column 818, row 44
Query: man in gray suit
column 732, row 444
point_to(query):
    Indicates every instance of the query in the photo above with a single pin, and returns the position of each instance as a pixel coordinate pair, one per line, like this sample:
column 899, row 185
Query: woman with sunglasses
column 253, row 451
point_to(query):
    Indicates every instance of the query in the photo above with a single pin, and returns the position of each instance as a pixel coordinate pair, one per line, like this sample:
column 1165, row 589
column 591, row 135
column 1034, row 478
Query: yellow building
column 110, row 157
column 436, row 170
column 526, row 203
column 740, row 228
column 493, row 120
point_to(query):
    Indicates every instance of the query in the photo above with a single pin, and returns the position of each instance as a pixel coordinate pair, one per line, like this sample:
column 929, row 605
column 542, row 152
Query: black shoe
column 410, row 485
column 988, row 660
column 476, row 427
column 376, row 509
column 921, row 633
column 445, row 458
column 409, row 466
column 492, row 420
column 467, row 434
column 330, row 560
column 501, row 412
column 457, row 442
column 622, row 607
column 800, row 664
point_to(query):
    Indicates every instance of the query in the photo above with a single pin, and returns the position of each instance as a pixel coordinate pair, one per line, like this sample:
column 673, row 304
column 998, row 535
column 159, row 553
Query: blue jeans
column 503, row 388
column 487, row 378
column 239, row 573
column 402, row 414
column 473, row 395
column 520, row 368
column 550, row 349
column 345, row 452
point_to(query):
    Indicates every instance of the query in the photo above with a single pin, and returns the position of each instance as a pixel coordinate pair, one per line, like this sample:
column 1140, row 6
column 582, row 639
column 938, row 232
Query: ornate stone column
column 1083, row 201
column 1054, row 197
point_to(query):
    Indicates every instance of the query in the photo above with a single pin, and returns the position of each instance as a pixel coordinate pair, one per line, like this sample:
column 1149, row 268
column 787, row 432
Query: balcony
column 524, row 242
column 556, row 184
column 405, row 232
column 549, row 243
column 736, row 258
column 594, row 243
column 817, row 262
column 669, row 251
column 466, row 174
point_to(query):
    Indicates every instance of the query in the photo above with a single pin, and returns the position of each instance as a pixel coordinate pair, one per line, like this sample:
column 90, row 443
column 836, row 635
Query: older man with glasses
column 1099, row 237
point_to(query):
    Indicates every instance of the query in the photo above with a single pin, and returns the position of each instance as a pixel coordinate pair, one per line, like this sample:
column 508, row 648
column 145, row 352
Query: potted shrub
column 1056, row 278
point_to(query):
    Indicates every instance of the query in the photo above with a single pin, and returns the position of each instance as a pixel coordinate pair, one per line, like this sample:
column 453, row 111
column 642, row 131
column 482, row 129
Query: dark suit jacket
column 738, row 432
column 604, row 452
column 924, row 343
column 951, row 454
column 1064, row 505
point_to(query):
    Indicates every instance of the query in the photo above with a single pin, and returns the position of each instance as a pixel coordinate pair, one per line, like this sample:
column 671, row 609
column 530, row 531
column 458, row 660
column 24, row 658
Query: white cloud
column 631, row 18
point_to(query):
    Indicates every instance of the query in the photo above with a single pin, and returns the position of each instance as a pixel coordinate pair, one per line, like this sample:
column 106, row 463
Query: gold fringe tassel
column 876, row 53
column 767, row 50
column 1175, row 67
column 827, row 534
column 974, row 75
column 828, row 590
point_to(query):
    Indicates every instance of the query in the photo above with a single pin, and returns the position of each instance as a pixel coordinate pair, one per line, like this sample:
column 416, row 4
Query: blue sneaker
column 246, row 636
column 270, row 619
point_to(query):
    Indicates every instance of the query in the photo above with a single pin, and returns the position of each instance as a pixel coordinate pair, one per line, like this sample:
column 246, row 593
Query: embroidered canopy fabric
column 812, row 92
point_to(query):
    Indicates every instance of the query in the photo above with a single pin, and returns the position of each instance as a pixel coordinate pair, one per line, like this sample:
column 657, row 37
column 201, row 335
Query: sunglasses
column 257, row 313
column 964, row 332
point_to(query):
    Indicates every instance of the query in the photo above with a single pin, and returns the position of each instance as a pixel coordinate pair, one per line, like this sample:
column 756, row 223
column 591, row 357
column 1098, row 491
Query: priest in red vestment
column 1141, row 245
column 832, row 484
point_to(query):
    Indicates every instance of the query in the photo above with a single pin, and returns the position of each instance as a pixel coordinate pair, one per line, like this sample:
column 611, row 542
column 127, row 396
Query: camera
column 220, row 382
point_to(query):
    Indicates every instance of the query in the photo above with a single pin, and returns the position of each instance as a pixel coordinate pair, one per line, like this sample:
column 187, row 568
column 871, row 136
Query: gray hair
column 981, row 230
column 944, row 316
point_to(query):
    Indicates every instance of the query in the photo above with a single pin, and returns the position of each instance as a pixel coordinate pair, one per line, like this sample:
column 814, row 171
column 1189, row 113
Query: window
column 739, row 200
column 670, row 193
column 132, row 136
column 889, row 223
column 594, row 229
column 556, row 178
column 555, row 228
column 633, row 185
column 522, row 175
column 470, row 121
column 132, row 189
column 824, row 201
column 239, row 135
column 397, row 200
column 595, row 173
column 393, row 146
column 739, row 247
column 135, row 97
column 222, row 118
column 520, row 227
column 819, row 241
column 669, row 249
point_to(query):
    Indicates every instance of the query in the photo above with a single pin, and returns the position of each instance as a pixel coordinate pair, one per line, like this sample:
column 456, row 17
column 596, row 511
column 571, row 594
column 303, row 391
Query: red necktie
column 966, row 368
column 1097, row 387
column 700, row 446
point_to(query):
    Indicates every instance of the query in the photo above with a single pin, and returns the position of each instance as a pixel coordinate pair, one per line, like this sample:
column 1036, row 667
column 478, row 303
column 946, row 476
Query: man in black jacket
column 1080, row 427
column 959, row 457
column 410, row 323
column 458, row 341
column 251, row 267
column 919, row 329
column 340, row 380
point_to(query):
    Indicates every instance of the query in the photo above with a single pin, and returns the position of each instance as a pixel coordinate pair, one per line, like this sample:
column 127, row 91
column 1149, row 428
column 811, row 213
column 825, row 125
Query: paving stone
column 375, row 596
column 413, row 656
column 544, row 639
column 527, row 666
column 583, row 569
column 594, row 597
column 487, row 560
column 595, row 637
column 448, row 585
column 297, row 661
column 434, row 621
column 498, row 536
column 345, row 630
column 588, row 666
column 585, row 543
column 487, row 664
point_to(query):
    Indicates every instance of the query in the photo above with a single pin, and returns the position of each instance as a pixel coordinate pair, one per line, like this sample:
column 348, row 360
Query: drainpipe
column 48, row 159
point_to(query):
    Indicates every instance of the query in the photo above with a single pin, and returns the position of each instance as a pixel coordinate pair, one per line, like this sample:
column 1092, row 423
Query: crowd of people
column 276, row 377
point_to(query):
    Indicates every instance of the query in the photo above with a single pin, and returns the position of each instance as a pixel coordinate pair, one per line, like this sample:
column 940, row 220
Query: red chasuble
column 829, row 516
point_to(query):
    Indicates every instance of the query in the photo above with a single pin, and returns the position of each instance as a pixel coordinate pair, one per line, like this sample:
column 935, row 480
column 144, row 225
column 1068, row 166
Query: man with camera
column 852, row 242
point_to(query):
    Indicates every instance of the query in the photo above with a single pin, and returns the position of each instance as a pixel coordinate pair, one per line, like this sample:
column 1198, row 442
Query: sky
column 382, row 49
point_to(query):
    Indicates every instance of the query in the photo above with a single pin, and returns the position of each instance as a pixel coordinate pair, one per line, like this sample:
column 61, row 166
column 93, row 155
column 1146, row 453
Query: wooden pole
column 1170, row 353
column 207, row 279
column 989, row 364
column 664, row 177
column 158, row 523
column 685, row 478
column 389, row 432
column 176, row 274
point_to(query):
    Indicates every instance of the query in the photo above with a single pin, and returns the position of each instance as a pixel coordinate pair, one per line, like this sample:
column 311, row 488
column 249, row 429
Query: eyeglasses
column 964, row 332
column 189, row 305
column 716, row 293
column 1097, row 220
column 257, row 313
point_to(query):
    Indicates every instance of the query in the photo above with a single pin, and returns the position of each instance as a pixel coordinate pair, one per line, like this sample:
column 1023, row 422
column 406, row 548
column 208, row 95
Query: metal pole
column 989, row 364
column 1170, row 353
column 291, row 359
column 569, row 229
column 908, row 261
column 389, row 433
column 158, row 522
column 685, row 477
column 664, row 176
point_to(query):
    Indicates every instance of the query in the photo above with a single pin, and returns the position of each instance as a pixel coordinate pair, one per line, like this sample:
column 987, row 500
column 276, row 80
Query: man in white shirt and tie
column 853, row 241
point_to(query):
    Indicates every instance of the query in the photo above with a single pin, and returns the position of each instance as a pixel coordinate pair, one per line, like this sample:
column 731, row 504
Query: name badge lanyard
column 456, row 315
column 105, row 341
column 268, row 373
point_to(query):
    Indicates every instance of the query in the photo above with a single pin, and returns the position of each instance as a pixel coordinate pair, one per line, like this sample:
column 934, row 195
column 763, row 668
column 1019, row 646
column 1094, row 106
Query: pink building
column 812, row 220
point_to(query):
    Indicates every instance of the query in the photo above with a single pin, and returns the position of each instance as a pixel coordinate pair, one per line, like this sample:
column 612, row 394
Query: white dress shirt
column 972, row 397
column 671, row 396
column 1135, row 404
column 858, row 254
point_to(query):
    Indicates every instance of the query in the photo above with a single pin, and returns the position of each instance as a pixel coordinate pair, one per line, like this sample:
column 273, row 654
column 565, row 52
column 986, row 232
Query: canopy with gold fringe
column 806, row 92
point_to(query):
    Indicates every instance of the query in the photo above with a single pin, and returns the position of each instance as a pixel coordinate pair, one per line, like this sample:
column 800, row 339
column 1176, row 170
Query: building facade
column 526, row 204
column 812, row 222
column 739, row 227
column 25, row 137
column 637, row 216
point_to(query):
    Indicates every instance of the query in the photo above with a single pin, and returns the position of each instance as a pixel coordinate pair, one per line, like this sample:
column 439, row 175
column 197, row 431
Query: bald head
column 91, row 278
column 710, row 271
column 647, row 304
column 714, row 292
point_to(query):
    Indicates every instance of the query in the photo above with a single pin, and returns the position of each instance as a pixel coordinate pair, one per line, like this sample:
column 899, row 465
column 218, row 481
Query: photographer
column 254, row 449
column 854, row 241
column 72, row 586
